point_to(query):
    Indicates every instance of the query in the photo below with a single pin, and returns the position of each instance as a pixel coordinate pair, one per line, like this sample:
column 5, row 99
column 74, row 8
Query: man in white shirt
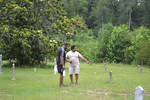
column 73, row 57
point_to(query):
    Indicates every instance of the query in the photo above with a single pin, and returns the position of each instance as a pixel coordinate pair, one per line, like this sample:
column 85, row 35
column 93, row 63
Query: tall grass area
column 93, row 83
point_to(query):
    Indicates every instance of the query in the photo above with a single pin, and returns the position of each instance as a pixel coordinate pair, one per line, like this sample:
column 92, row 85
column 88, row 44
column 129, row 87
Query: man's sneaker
column 76, row 83
column 71, row 83
column 64, row 86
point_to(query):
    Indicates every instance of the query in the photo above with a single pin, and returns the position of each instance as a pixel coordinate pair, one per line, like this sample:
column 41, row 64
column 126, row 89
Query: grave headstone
column 138, row 68
column 13, row 72
column 34, row 69
column 55, row 67
column 104, row 69
column 141, row 69
column 105, row 66
column 0, row 64
column 110, row 75
column 101, row 69
column 139, row 93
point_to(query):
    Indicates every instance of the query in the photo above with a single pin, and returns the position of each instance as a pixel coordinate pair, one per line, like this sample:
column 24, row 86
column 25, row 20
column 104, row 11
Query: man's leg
column 61, row 80
column 60, row 71
column 76, row 75
column 77, row 70
column 71, row 74
column 71, row 78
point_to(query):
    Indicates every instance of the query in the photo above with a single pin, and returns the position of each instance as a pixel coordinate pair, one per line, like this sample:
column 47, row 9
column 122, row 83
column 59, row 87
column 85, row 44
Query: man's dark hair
column 66, row 44
column 72, row 47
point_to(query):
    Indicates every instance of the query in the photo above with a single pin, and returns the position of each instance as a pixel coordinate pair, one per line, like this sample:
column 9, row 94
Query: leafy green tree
column 126, row 9
column 86, row 44
column 87, row 15
column 103, row 38
column 143, row 54
column 117, row 43
column 104, row 12
column 33, row 29
column 139, row 35
column 75, row 7
column 146, row 16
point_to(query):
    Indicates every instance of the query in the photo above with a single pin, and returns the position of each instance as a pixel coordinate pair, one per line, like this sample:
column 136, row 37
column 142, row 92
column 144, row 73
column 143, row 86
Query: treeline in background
column 103, row 30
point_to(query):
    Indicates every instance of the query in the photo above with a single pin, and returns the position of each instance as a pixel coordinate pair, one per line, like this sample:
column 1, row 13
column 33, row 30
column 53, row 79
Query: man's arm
column 62, row 58
column 62, row 61
column 84, row 59
column 67, row 59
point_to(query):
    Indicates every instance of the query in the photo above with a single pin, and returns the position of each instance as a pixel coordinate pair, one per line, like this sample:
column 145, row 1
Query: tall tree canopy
column 32, row 29
column 114, row 30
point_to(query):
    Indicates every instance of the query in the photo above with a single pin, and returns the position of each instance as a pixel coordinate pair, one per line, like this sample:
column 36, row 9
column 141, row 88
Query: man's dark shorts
column 60, row 69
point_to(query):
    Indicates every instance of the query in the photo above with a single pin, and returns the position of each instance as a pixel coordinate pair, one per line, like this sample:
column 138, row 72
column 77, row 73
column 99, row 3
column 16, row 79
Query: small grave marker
column 105, row 66
column 139, row 93
column 110, row 76
column 55, row 67
column 34, row 69
column 104, row 69
column 13, row 72
column 139, row 68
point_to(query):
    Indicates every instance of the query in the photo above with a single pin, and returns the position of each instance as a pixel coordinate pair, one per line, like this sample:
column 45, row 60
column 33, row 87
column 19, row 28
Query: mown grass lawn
column 93, row 84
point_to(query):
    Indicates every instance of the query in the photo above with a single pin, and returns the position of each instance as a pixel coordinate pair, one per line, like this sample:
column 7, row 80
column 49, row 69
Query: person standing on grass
column 73, row 58
column 61, row 58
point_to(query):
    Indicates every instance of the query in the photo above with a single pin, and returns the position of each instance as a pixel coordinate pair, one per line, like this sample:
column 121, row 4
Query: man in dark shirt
column 61, row 58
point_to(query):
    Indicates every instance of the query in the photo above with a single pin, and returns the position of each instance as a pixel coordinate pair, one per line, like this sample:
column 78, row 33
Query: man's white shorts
column 74, row 69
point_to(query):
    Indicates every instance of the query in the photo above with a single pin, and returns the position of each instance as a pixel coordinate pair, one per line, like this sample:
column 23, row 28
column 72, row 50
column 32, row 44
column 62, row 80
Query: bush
column 138, row 35
column 143, row 54
column 118, row 41
column 86, row 44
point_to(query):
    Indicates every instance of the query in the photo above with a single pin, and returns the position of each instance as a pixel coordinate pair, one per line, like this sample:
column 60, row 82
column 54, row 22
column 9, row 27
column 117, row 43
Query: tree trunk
column 102, row 25
column 130, row 18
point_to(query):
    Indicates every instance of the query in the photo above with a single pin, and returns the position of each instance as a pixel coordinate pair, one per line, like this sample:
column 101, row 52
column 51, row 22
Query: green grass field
column 93, row 84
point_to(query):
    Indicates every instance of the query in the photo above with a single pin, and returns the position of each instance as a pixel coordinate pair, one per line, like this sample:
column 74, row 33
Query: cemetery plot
column 93, row 85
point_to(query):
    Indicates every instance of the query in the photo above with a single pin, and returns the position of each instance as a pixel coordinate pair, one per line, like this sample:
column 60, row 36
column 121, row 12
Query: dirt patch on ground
column 90, row 91
column 99, row 92
column 65, row 91
column 147, row 93
column 104, row 92
column 5, row 93
column 125, row 95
